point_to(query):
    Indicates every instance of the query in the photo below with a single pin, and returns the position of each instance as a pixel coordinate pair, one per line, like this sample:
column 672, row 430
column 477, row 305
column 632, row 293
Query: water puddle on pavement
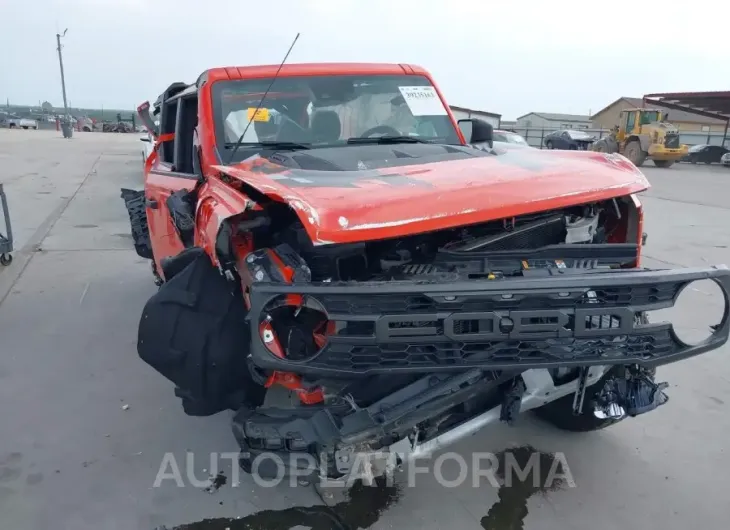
column 524, row 471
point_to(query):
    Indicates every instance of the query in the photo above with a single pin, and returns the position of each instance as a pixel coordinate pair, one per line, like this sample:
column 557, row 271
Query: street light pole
column 60, row 62
column 65, row 125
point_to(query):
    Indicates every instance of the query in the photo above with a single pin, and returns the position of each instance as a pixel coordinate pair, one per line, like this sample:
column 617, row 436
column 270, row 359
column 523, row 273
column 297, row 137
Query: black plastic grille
column 454, row 354
column 555, row 319
column 671, row 141
column 399, row 303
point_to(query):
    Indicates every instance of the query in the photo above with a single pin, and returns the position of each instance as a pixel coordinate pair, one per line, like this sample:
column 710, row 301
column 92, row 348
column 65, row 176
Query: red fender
column 217, row 202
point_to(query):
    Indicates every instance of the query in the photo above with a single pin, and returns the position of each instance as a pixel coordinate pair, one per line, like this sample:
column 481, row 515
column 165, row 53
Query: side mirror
column 144, row 139
column 477, row 131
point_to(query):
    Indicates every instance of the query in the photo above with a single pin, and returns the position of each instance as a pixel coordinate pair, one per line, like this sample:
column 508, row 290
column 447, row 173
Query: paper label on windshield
column 258, row 115
column 422, row 100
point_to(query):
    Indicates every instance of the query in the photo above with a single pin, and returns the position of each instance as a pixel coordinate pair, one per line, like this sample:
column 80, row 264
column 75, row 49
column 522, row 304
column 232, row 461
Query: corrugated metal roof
column 674, row 115
column 708, row 104
column 552, row 116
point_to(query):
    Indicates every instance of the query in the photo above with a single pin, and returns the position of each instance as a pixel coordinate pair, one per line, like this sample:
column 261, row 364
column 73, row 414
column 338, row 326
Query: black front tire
column 6, row 259
column 548, row 145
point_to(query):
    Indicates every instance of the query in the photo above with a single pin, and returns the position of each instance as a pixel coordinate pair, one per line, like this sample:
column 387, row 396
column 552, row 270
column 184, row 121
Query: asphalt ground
column 85, row 424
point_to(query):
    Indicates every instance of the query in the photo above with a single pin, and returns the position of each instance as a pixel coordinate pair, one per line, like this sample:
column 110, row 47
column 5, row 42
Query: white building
column 551, row 120
column 462, row 113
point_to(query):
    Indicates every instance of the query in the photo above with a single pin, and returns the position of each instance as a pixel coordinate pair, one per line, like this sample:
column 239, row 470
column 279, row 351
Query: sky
column 505, row 57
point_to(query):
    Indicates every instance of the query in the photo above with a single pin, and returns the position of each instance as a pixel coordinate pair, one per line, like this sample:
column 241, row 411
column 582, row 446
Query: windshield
column 649, row 117
column 696, row 148
column 327, row 111
column 579, row 135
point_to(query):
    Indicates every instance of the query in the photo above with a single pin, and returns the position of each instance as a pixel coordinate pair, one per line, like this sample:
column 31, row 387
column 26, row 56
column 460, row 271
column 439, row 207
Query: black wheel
column 635, row 153
column 549, row 144
column 6, row 259
column 663, row 163
column 560, row 412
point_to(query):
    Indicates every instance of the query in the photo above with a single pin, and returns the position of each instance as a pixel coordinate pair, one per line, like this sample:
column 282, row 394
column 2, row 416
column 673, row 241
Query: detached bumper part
column 320, row 430
column 567, row 318
column 632, row 395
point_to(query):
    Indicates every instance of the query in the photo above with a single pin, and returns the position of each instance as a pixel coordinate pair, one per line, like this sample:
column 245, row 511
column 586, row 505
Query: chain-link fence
column 536, row 137
column 83, row 119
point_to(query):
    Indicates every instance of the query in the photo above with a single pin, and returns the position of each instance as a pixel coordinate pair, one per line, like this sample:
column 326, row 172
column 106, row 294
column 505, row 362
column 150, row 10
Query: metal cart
column 6, row 240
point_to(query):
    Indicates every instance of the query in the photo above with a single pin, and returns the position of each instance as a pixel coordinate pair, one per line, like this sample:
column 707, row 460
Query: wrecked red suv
column 348, row 268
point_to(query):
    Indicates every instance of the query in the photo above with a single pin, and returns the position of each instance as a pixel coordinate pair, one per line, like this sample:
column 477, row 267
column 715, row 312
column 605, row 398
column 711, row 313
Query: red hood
column 350, row 206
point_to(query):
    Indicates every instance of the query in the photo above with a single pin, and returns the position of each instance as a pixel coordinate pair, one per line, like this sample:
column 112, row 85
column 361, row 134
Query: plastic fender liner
column 194, row 332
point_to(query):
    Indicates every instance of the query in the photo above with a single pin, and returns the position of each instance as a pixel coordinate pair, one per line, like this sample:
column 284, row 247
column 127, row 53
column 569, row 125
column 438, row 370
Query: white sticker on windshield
column 423, row 100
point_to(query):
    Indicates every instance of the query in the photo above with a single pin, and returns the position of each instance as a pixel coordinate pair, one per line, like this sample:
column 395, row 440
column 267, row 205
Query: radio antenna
column 240, row 138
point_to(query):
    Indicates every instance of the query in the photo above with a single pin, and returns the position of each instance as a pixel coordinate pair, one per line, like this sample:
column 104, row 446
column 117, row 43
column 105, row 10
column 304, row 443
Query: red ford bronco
column 348, row 268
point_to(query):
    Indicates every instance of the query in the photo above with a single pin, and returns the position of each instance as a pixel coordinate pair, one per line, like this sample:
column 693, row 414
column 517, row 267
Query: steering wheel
column 291, row 131
column 386, row 130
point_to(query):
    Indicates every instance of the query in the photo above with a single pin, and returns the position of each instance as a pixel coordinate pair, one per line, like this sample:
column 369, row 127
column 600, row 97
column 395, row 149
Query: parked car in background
column 569, row 139
column 725, row 160
column 28, row 123
column 14, row 122
column 705, row 153
column 85, row 124
column 509, row 137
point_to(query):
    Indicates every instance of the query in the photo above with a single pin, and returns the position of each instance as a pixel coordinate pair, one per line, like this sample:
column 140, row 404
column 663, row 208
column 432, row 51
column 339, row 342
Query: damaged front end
column 404, row 346
column 545, row 313
column 491, row 345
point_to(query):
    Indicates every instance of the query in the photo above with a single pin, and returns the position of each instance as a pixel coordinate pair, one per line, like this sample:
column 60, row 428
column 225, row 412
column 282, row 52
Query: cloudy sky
column 501, row 56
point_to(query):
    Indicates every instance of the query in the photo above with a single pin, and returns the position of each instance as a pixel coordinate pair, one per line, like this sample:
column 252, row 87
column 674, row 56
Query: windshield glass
column 696, row 148
column 326, row 111
column 649, row 117
column 579, row 135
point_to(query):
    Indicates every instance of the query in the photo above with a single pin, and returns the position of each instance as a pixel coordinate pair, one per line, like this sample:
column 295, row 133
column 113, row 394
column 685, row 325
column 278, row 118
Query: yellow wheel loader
column 642, row 134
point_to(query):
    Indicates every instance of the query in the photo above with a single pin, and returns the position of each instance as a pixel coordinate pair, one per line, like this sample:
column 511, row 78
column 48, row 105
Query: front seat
column 326, row 126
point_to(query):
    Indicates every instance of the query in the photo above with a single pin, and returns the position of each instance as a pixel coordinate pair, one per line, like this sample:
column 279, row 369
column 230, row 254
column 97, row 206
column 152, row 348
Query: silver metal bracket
column 580, row 392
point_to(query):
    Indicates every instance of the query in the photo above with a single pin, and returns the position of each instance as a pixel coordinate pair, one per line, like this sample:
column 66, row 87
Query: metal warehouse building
column 462, row 113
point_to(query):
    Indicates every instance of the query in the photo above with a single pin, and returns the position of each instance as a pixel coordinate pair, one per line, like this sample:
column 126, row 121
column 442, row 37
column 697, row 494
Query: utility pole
column 66, row 123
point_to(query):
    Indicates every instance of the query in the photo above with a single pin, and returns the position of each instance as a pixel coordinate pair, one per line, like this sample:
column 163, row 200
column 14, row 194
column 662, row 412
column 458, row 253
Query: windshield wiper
column 388, row 140
column 269, row 145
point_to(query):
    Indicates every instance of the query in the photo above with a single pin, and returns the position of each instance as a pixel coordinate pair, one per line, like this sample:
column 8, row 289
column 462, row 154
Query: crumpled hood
column 350, row 206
